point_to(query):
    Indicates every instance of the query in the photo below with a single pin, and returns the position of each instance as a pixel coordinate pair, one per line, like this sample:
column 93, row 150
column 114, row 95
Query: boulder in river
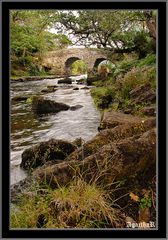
column 52, row 86
column 85, row 88
column 20, row 98
column 91, row 80
column 76, row 88
column 43, row 152
column 48, row 90
column 125, row 159
column 74, row 108
column 65, row 81
column 42, row 106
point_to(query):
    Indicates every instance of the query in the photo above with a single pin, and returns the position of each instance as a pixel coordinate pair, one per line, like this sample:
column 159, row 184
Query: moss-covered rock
column 65, row 81
column 112, row 119
column 20, row 98
column 43, row 106
column 121, row 160
column 46, row 151
column 48, row 89
column 112, row 135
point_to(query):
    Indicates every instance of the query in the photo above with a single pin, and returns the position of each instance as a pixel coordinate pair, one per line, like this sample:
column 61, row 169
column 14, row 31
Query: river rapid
column 28, row 129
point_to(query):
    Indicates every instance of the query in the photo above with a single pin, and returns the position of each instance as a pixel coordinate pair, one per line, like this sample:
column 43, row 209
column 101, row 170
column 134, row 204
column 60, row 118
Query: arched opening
column 103, row 67
column 78, row 67
column 97, row 62
column 75, row 66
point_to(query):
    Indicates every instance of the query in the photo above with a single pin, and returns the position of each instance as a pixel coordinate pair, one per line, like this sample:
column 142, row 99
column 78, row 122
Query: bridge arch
column 97, row 62
column 59, row 62
column 69, row 63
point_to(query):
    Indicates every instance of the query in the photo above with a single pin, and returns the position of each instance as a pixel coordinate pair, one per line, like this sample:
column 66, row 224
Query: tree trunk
column 151, row 24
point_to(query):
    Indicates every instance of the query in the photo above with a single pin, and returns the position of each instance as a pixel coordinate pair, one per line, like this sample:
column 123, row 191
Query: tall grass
column 78, row 205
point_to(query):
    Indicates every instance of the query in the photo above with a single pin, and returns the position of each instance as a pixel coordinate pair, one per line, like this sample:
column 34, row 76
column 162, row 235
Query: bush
column 135, row 77
column 149, row 60
column 103, row 96
column 127, row 64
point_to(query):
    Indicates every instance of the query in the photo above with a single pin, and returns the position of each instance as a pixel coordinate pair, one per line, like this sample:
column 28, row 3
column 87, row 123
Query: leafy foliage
column 103, row 96
column 29, row 35
column 145, row 203
column 79, row 67
column 119, row 31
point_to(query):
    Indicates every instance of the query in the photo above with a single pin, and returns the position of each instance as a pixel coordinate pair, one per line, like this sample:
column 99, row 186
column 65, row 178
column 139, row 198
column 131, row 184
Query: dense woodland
column 116, row 181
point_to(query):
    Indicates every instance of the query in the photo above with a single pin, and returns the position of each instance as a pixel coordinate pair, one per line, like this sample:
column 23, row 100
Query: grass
column 114, row 92
column 127, row 64
column 78, row 205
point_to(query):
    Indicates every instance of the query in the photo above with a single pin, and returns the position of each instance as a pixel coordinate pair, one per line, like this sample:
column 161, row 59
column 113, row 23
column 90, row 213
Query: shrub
column 124, row 66
column 127, row 64
column 149, row 60
column 135, row 77
column 103, row 96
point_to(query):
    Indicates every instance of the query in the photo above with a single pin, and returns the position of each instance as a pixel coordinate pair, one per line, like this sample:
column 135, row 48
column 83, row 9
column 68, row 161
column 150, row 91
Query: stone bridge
column 59, row 62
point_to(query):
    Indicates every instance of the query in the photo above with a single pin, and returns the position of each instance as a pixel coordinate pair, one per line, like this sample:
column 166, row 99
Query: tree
column 119, row 31
column 29, row 35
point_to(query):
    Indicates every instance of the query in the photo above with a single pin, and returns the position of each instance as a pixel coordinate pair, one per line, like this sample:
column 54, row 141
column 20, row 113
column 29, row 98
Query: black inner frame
column 110, row 233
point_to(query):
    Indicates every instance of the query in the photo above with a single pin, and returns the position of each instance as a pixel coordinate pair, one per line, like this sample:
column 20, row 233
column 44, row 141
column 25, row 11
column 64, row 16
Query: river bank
column 28, row 128
column 108, row 180
column 35, row 78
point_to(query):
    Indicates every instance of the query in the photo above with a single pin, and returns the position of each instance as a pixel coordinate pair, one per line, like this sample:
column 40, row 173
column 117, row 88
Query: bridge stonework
column 59, row 62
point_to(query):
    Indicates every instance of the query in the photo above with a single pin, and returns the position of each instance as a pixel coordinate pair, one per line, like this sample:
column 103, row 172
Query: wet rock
column 115, row 134
column 81, row 81
column 17, row 79
column 20, row 98
column 65, row 81
column 91, row 80
column 52, row 86
column 85, row 88
column 34, row 78
column 43, row 106
column 20, row 187
column 112, row 119
column 48, row 90
column 76, row 107
column 76, row 88
column 121, row 160
column 78, row 142
column 122, row 152
column 46, row 151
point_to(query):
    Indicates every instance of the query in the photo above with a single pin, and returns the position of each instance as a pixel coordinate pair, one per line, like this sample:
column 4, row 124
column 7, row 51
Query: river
column 28, row 129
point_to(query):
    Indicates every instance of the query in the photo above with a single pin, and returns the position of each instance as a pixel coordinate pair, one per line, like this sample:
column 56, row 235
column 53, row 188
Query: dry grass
column 80, row 205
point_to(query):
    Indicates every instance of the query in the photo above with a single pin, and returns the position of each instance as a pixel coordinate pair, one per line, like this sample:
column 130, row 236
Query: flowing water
column 27, row 129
